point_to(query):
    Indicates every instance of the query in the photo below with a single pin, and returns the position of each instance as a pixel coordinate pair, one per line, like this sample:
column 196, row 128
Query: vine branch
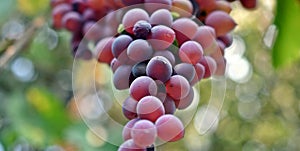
column 12, row 48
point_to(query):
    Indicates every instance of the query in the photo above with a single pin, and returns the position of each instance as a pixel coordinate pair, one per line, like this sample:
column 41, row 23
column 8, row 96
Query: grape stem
column 12, row 48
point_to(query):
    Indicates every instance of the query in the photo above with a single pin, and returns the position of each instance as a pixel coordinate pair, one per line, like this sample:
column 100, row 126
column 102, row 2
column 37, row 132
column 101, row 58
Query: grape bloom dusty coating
column 158, row 52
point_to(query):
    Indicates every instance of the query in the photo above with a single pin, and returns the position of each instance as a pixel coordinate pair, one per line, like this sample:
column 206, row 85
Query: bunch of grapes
column 161, row 50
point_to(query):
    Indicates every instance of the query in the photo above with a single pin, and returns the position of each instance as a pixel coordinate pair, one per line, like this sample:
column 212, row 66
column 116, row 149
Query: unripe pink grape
column 143, row 133
column 185, row 28
column 141, row 87
column 103, row 50
column 177, row 87
column 150, row 108
column 221, row 22
column 169, row 128
column 161, row 37
column 161, row 17
column 191, row 52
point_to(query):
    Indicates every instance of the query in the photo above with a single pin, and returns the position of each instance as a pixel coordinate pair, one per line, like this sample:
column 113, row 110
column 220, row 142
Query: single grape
column 141, row 29
column 143, row 133
column 169, row 128
column 186, row 101
column 221, row 22
column 177, row 87
column 120, row 44
column 121, row 77
column 183, row 7
column 210, row 66
column 126, row 133
column 141, row 87
column 133, row 16
column 161, row 17
column 186, row 70
column 185, row 28
column 159, row 68
column 129, row 145
column 139, row 69
column 150, row 108
column 161, row 37
column 72, row 21
column 103, row 50
column 167, row 54
column 129, row 108
column 191, row 52
column 206, row 37
column 139, row 50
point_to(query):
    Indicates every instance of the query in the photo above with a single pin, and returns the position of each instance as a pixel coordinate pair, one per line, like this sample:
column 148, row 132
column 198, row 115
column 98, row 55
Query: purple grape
column 159, row 68
column 169, row 128
column 129, row 108
column 177, row 87
column 141, row 87
column 143, row 133
column 186, row 70
column 126, row 133
column 120, row 44
column 150, row 108
column 139, row 50
column 141, row 29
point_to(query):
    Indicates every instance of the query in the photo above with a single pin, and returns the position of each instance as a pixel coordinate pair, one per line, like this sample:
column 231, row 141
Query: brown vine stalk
column 11, row 49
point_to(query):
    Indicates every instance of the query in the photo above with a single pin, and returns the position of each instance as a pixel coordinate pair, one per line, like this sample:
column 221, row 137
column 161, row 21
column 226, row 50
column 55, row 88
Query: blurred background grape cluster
column 38, row 110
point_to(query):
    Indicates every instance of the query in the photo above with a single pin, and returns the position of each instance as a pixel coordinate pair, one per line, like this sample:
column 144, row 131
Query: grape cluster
column 80, row 18
column 161, row 50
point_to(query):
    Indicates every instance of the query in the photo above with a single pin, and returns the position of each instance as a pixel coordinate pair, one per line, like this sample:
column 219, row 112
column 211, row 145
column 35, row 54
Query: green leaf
column 287, row 47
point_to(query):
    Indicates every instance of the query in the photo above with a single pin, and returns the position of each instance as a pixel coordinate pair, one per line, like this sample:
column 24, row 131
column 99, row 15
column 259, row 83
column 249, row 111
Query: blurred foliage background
column 38, row 111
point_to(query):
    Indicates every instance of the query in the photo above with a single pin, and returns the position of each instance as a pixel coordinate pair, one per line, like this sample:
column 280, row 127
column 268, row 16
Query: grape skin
column 121, row 77
column 139, row 50
column 186, row 70
column 161, row 37
column 103, row 50
column 141, row 87
column 143, row 133
column 191, row 52
column 161, row 17
column 150, row 108
column 221, row 22
column 159, row 68
column 120, row 44
column 169, row 128
column 177, row 87
column 185, row 28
